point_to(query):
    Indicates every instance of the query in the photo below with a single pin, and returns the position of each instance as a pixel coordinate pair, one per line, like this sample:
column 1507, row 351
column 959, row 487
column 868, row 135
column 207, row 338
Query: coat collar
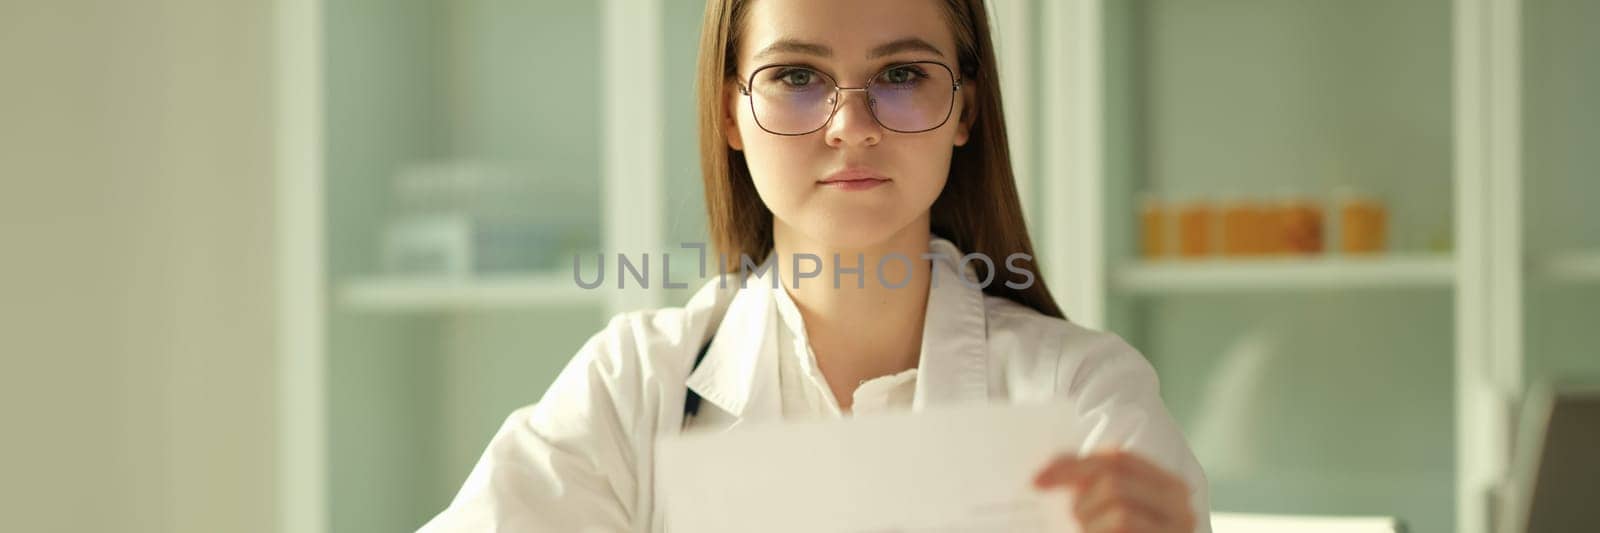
column 739, row 373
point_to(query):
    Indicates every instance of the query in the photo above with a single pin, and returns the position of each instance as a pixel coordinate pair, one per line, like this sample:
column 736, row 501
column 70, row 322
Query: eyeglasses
column 905, row 98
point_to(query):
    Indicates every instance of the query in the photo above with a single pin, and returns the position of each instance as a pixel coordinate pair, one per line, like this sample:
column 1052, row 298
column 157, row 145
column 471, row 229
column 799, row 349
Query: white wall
column 136, row 283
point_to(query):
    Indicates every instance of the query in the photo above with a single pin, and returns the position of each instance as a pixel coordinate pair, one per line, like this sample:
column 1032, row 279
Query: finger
column 1119, row 519
column 1059, row 468
column 1067, row 469
column 1145, row 484
column 1124, row 462
column 1137, row 466
column 1113, row 489
column 1113, row 478
column 1072, row 470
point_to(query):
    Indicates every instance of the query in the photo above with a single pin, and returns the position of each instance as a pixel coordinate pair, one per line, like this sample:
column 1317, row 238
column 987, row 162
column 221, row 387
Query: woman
column 864, row 140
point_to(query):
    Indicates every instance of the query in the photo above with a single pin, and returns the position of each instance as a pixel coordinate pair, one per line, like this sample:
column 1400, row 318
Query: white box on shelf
column 438, row 245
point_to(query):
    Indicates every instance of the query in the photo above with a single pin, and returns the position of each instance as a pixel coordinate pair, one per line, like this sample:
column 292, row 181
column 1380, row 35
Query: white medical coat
column 582, row 458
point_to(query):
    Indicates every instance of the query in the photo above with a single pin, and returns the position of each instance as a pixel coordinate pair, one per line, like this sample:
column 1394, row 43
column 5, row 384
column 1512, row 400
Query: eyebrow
column 793, row 46
column 908, row 44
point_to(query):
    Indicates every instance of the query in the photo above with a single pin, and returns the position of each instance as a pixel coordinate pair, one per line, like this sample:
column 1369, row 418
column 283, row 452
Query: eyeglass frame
column 838, row 95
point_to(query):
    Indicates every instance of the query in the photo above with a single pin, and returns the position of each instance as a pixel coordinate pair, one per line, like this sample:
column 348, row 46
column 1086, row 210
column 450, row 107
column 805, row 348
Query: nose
column 852, row 124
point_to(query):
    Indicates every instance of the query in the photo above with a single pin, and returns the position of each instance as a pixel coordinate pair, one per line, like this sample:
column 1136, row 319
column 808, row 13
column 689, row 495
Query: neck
column 861, row 331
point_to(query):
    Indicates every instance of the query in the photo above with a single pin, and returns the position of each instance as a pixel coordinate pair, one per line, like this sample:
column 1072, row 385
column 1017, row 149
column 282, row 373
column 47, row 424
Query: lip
column 854, row 179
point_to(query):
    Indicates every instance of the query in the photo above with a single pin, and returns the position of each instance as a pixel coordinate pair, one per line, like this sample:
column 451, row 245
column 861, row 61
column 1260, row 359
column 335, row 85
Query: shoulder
column 641, row 357
column 619, row 378
column 638, row 346
column 1060, row 356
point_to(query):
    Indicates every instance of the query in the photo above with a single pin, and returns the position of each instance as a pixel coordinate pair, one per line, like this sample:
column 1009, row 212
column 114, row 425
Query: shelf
column 1573, row 267
column 395, row 293
column 1221, row 275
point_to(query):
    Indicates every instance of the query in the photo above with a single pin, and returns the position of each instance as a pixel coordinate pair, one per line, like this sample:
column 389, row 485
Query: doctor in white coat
column 861, row 144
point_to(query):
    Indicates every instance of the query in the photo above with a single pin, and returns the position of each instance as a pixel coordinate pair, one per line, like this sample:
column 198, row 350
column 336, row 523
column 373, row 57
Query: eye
column 798, row 77
column 903, row 75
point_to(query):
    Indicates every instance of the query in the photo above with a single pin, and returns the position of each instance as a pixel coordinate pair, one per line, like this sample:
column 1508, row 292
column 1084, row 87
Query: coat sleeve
column 1116, row 390
column 565, row 463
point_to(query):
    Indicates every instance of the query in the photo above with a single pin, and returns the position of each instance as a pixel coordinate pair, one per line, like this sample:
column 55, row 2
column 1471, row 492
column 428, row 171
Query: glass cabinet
column 1305, row 346
column 1561, row 173
column 1347, row 234
column 473, row 149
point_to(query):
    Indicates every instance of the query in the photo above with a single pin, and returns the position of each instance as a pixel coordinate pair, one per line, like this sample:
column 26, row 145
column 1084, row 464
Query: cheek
column 927, row 160
column 781, row 167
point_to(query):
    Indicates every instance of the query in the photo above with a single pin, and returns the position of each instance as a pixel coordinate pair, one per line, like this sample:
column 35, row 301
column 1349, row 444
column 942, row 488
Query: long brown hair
column 978, row 209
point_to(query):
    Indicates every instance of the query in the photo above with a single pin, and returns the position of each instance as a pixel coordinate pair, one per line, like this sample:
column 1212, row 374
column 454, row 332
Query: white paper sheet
column 951, row 470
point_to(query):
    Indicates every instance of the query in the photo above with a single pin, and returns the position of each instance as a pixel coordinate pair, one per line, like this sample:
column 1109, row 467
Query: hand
column 1119, row 492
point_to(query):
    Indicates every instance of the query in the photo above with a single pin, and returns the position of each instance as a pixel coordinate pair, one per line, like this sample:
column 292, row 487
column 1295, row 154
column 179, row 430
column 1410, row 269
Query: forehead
column 845, row 30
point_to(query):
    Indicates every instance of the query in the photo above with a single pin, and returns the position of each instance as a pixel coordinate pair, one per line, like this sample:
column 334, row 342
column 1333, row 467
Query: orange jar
column 1245, row 229
column 1196, row 225
column 1364, row 225
column 1272, row 220
column 1300, row 227
column 1155, row 226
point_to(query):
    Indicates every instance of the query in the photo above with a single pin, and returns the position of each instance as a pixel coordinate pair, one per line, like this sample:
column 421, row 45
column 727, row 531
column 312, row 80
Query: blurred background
column 286, row 265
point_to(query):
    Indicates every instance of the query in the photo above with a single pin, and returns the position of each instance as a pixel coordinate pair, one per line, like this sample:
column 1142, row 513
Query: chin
column 855, row 230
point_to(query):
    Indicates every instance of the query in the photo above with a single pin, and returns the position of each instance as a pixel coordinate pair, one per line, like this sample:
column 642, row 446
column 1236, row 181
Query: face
column 856, row 181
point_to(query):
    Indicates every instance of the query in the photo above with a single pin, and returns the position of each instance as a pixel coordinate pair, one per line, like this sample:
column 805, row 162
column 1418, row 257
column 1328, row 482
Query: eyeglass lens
column 908, row 98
